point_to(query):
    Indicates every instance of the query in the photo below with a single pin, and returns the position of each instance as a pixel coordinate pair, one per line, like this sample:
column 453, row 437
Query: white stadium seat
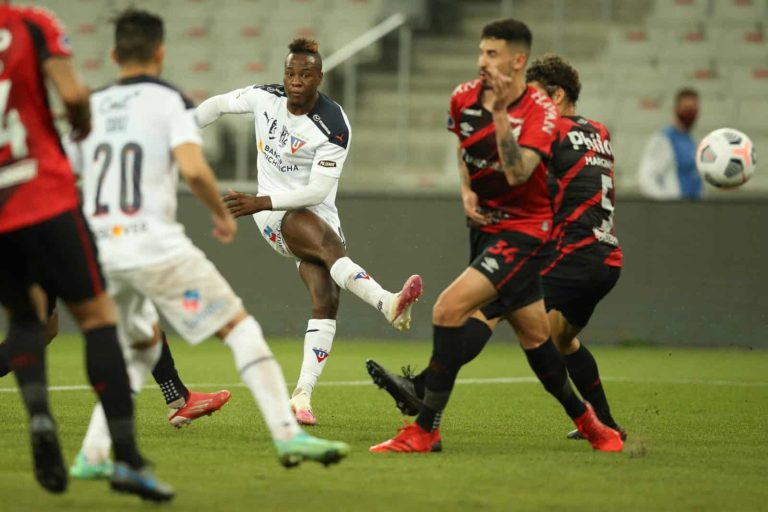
column 747, row 81
column 752, row 116
column 738, row 11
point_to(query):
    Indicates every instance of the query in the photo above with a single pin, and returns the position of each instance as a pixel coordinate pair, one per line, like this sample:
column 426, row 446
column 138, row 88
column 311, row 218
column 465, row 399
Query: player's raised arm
column 233, row 102
column 517, row 162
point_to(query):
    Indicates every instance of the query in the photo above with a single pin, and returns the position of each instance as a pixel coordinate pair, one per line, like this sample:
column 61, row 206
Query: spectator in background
column 668, row 165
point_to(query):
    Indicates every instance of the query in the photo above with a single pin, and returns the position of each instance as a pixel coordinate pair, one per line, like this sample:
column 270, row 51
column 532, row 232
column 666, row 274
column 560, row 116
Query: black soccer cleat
column 576, row 435
column 49, row 465
column 401, row 388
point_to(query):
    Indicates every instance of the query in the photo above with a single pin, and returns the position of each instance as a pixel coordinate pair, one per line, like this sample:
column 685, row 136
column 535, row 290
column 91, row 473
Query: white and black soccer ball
column 726, row 158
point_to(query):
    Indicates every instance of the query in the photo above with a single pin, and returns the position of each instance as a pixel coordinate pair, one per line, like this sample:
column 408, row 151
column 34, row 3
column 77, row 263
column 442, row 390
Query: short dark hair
column 686, row 92
column 307, row 47
column 553, row 71
column 137, row 35
column 510, row 30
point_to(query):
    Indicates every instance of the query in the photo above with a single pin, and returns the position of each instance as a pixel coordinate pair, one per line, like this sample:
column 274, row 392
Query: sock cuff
column 548, row 348
column 321, row 324
column 341, row 269
column 477, row 326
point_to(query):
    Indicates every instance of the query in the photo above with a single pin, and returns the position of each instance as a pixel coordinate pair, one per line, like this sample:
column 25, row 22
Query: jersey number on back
column 131, row 156
column 12, row 131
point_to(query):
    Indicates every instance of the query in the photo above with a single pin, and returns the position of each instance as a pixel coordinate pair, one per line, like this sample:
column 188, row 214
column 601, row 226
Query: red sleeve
column 453, row 113
column 539, row 128
column 48, row 33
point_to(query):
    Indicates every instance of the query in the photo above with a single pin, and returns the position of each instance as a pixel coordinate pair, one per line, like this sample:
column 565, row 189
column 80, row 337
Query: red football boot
column 198, row 404
column 602, row 438
column 411, row 439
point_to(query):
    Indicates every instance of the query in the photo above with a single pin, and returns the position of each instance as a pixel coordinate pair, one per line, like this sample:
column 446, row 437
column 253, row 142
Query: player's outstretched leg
column 396, row 307
column 312, row 239
column 264, row 378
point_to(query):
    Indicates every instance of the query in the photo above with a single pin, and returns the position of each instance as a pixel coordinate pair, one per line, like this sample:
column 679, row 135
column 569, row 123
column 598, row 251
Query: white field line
column 494, row 380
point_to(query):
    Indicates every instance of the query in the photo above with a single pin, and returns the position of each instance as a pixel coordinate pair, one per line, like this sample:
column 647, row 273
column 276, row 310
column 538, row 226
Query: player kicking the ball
column 302, row 139
column 144, row 133
column 506, row 132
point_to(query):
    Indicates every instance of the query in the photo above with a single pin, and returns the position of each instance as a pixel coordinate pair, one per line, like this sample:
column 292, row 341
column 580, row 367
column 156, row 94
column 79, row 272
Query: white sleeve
column 330, row 157
column 183, row 127
column 657, row 174
column 239, row 101
column 318, row 188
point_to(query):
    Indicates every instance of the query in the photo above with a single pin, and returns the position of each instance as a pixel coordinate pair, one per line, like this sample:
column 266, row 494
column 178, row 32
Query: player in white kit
column 144, row 133
column 302, row 139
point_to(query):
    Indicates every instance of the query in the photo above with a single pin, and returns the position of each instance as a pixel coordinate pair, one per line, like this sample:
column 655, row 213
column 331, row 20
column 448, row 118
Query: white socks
column 263, row 376
column 317, row 347
column 139, row 363
column 352, row 277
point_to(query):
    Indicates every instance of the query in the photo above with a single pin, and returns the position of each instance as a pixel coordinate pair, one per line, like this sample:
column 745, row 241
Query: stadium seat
column 637, row 114
column 714, row 113
column 672, row 12
column 707, row 81
column 639, row 79
column 691, row 47
column 636, row 45
column 738, row 11
column 598, row 107
column 751, row 115
column 744, row 46
column 747, row 81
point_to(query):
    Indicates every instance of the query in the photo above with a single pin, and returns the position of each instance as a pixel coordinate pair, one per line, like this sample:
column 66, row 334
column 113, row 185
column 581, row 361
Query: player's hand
column 472, row 208
column 503, row 90
column 240, row 204
column 224, row 228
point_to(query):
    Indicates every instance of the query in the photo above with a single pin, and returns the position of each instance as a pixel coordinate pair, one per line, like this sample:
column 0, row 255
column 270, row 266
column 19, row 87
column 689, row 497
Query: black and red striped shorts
column 512, row 261
column 59, row 254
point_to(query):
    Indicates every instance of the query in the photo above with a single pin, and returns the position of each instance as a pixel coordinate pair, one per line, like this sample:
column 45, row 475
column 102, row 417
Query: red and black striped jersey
column 581, row 175
column 36, row 180
column 527, row 207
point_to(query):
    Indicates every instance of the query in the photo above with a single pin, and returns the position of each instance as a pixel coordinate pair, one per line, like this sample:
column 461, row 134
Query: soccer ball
column 726, row 158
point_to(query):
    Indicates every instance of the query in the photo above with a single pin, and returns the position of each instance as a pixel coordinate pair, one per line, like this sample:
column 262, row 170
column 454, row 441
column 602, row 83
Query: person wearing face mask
column 668, row 165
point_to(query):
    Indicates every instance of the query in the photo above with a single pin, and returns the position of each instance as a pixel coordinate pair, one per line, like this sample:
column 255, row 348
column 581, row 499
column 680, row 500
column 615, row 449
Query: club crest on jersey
column 296, row 144
column 320, row 354
column 190, row 300
column 270, row 233
column 362, row 275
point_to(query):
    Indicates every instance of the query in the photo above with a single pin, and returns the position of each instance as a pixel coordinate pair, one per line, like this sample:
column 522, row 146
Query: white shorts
column 188, row 290
column 271, row 228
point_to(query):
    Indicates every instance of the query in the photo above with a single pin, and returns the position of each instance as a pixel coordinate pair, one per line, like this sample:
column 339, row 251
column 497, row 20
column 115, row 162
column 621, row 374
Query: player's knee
column 448, row 314
column 532, row 336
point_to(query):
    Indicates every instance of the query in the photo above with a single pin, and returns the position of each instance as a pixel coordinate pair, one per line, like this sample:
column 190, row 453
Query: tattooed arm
column 516, row 162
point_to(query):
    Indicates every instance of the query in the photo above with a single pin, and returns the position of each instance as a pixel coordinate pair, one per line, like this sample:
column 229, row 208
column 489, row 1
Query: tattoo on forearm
column 510, row 150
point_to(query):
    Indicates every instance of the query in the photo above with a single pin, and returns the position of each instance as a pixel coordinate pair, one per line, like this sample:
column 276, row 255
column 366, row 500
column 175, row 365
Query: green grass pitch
column 697, row 419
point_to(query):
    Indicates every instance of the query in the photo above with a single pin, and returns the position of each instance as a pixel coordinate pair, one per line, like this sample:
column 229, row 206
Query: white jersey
column 291, row 147
column 129, row 175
